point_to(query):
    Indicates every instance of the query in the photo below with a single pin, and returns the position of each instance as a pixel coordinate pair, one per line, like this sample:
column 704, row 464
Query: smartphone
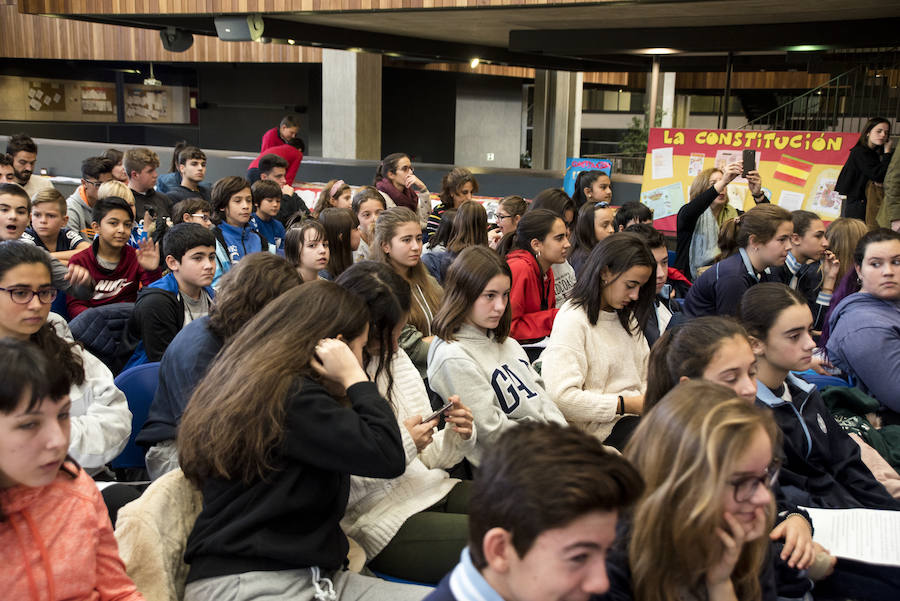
column 749, row 160
column 428, row 418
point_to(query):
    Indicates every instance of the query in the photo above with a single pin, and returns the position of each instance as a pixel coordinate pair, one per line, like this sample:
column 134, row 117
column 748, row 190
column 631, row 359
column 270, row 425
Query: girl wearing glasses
column 396, row 180
column 101, row 421
column 699, row 530
column 509, row 211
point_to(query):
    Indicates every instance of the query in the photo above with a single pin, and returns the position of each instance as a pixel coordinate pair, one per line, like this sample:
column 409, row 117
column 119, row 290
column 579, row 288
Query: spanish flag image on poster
column 798, row 168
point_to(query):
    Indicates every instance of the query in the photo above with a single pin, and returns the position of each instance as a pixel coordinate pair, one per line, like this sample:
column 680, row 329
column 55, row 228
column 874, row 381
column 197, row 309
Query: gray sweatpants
column 299, row 585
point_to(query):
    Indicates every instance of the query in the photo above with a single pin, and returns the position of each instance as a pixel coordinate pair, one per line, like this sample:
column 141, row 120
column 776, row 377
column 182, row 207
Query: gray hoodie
column 865, row 343
column 494, row 380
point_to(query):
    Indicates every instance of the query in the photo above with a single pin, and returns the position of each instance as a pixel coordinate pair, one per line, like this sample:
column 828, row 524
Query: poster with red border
column 798, row 168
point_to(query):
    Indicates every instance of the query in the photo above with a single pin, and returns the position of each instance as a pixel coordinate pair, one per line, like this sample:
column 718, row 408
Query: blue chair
column 139, row 385
column 671, row 258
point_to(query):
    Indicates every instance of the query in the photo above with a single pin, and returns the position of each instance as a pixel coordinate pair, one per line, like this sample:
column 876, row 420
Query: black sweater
column 291, row 520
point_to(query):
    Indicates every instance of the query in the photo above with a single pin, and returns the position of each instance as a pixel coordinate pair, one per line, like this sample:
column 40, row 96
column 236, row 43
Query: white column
column 351, row 104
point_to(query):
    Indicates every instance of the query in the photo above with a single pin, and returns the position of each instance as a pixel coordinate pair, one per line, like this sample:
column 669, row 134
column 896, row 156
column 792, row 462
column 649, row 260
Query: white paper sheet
column 662, row 163
column 792, row 201
column 868, row 535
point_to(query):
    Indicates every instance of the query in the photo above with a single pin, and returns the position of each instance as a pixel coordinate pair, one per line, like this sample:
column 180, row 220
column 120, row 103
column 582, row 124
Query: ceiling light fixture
column 291, row 42
column 655, row 51
column 475, row 62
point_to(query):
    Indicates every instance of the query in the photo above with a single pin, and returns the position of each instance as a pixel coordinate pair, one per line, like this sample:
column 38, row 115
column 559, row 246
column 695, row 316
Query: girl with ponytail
column 750, row 243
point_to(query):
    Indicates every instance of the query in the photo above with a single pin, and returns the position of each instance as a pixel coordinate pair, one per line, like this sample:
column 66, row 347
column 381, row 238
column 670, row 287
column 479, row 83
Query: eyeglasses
column 23, row 296
column 502, row 217
column 406, row 168
column 201, row 216
column 745, row 488
column 92, row 183
column 602, row 205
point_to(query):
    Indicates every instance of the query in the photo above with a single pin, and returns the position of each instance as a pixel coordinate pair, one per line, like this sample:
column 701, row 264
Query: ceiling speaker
column 176, row 40
column 244, row 28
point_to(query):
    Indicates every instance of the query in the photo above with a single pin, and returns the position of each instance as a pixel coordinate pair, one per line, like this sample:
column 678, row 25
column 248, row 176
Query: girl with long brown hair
column 469, row 229
column 395, row 178
column 708, row 460
column 473, row 355
column 398, row 242
column 390, row 518
column 271, row 443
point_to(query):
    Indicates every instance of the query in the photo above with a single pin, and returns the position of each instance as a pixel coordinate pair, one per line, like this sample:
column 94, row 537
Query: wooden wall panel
column 140, row 7
column 34, row 36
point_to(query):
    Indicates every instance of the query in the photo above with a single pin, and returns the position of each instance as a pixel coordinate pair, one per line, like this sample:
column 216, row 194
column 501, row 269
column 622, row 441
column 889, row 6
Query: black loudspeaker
column 176, row 40
column 246, row 28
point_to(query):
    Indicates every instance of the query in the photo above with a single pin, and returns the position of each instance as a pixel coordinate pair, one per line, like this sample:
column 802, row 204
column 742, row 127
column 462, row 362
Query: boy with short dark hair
column 95, row 171
column 48, row 227
column 279, row 170
column 267, row 199
column 14, row 212
column 192, row 166
column 193, row 210
column 172, row 302
column 7, row 175
column 631, row 213
column 542, row 515
column 117, row 269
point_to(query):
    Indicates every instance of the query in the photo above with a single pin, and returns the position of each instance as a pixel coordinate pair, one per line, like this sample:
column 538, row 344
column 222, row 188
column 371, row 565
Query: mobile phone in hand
column 749, row 160
column 428, row 418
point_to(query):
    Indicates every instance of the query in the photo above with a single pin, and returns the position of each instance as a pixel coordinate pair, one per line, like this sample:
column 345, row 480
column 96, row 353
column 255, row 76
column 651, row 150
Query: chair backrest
column 152, row 533
column 102, row 332
column 139, row 385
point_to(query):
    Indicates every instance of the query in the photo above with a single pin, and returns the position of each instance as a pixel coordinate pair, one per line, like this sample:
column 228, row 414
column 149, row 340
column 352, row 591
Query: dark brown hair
column 338, row 223
column 389, row 299
column 246, row 288
column 536, row 224
column 762, row 304
column 514, row 481
column 234, row 424
column 617, row 253
column 452, row 182
column 295, row 237
column 190, row 206
column 263, row 189
column 469, row 227
column 387, row 165
column 867, row 129
column 556, row 200
column 466, row 278
column 761, row 221
column 685, row 351
column 221, row 194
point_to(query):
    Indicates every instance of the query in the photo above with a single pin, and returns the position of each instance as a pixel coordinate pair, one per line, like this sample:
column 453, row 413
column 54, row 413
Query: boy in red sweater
column 117, row 269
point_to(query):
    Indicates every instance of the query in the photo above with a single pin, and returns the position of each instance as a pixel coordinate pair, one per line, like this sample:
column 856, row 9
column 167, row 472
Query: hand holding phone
column 446, row 406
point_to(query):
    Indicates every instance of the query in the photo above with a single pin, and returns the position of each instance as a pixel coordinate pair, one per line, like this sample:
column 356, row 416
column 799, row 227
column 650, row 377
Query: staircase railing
column 820, row 108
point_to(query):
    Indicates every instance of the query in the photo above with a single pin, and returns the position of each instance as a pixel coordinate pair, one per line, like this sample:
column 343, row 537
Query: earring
column 538, row 254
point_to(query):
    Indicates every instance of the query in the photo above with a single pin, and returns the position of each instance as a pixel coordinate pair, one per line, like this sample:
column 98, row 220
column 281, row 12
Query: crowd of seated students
column 306, row 411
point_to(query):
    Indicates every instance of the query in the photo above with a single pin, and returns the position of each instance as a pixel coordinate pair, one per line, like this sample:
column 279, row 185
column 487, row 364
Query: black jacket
column 863, row 164
column 291, row 520
column 183, row 365
column 822, row 465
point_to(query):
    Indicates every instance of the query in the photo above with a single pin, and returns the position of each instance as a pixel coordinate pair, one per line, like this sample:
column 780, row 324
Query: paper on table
column 662, row 163
column 868, row 535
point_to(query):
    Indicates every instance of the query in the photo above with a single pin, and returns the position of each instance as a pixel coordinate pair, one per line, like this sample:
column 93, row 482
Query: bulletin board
column 798, row 168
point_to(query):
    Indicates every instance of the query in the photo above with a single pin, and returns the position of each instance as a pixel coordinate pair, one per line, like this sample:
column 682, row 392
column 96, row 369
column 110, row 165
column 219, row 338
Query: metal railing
column 843, row 103
column 625, row 164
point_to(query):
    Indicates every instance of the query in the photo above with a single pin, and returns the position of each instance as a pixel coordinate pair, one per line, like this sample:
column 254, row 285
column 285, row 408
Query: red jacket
column 117, row 286
column 290, row 154
column 533, row 312
column 58, row 543
column 270, row 139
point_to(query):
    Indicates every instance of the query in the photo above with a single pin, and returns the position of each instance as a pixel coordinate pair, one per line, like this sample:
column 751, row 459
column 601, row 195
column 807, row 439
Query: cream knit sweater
column 377, row 507
column 586, row 368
